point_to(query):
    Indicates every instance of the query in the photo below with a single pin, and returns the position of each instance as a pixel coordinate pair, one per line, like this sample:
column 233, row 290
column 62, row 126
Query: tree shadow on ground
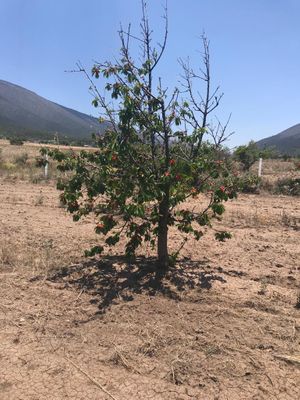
column 113, row 278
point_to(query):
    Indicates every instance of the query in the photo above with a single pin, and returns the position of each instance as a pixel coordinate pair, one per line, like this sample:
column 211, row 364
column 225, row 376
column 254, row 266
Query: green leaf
column 177, row 121
column 112, row 240
column 93, row 251
column 198, row 234
column 203, row 220
column 218, row 208
column 222, row 236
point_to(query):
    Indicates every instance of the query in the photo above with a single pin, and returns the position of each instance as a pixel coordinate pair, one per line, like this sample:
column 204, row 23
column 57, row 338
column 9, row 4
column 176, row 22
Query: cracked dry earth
column 221, row 325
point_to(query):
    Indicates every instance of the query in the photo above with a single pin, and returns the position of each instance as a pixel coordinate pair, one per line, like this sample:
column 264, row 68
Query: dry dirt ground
column 222, row 325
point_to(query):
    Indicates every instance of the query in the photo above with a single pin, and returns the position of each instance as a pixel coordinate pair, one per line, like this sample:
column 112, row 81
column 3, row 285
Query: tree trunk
column 162, row 243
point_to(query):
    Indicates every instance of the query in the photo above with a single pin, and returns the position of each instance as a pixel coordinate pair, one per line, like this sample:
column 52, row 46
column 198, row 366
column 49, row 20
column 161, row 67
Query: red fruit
column 167, row 173
column 100, row 226
column 222, row 188
column 114, row 157
column 178, row 177
column 172, row 162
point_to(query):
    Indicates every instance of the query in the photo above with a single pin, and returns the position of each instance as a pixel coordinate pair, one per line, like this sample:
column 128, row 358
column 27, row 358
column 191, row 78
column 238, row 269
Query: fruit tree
column 153, row 156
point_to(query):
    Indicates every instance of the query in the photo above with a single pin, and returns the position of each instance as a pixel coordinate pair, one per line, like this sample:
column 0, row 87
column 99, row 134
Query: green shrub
column 247, row 155
column 250, row 183
column 288, row 186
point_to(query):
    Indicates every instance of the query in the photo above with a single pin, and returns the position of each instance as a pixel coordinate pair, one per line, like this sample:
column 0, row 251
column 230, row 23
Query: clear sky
column 255, row 52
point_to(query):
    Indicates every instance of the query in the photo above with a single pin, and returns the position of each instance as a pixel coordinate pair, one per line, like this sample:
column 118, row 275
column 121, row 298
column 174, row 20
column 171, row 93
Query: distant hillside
column 286, row 142
column 26, row 114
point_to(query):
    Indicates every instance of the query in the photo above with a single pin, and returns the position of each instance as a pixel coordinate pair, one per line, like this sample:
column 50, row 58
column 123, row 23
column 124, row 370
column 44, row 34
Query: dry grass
column 39, row 258
column 258, row 217
column 123, row 358
column 19, row 162
column 276, row 168
column 153, row 340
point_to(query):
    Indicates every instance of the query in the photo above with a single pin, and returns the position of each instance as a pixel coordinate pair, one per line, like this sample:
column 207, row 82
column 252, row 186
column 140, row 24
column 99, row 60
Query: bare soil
column 223, row 323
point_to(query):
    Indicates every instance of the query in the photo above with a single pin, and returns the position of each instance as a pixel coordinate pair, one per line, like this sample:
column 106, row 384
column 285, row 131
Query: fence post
column 259, row 167
column 46, row 167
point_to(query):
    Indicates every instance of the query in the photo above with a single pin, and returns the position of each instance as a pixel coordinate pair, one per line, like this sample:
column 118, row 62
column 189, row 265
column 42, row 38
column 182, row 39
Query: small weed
column 8, row 257
column 285, row 219
column 152, row 341
column 39, row 201
column 179, row 369
column 213, row 349
column 290, row 221
column 35, row 178
column 263, row 287
column 121, row 358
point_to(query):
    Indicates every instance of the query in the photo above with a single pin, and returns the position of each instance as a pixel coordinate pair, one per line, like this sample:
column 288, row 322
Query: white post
column 259, row 167
column 46, row 167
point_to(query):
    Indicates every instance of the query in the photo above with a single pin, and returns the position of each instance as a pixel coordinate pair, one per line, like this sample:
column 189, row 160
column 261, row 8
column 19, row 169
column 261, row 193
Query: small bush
column 21, row 159
column 288, row 186
column 247, row 155
column 8, row 166
column 250, row 183
column 16, row 141
column 286, row 157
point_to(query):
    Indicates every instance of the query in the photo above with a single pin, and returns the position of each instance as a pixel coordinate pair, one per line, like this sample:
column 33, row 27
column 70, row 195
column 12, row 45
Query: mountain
column 286, row 142
column 26, row 114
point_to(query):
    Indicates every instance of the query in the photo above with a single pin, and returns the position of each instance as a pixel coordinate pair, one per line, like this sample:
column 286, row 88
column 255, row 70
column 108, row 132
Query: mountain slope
column 25, row 113
column 286, row 142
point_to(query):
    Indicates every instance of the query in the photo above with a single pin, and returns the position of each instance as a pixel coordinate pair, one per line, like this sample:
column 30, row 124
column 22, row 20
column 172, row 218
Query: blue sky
column 255, row 52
